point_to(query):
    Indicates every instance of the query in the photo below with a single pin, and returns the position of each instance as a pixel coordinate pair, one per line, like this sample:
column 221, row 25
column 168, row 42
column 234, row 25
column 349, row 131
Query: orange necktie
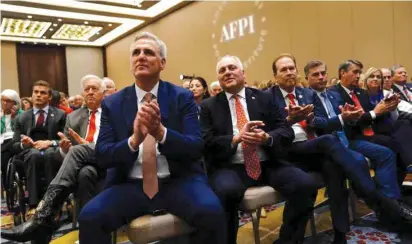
column 150, row 180
column 92, row 127
column 368, row 131
column 302, row 123
column 252, row 162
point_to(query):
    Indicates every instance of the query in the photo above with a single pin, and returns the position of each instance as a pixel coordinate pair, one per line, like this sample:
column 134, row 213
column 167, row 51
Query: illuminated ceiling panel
column 24, row 28
column 76, row 32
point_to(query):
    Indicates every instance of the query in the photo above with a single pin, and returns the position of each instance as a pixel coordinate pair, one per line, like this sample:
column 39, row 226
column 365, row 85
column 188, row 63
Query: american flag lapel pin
column 300, row 96
column 253, row 97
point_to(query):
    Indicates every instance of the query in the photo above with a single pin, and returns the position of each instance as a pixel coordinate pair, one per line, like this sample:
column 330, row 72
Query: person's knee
column 90, row 214
column 87, row 174
column 228, row 187
column 210, row 215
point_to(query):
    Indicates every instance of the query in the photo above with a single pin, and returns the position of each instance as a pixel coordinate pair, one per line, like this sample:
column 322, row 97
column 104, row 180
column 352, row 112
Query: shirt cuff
column 61, row 152
column 341, row 120
column 373, row 115
column 164, row 137
column 270, row 141
column 21, row 146
column 130, row 146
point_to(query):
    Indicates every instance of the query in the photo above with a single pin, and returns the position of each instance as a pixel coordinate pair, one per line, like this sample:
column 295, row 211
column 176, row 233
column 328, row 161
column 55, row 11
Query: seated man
column 299, row 101
column 79, row 169
column 153, row 153
column 36, row 140
column 244, row 134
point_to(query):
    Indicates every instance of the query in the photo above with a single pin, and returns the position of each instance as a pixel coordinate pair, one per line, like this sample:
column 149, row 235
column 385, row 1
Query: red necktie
column 92, row 127
column 302, row 123
column 149, row 170
column 40, row 119
column 368, row 131
column 252, row 162
column 408, row 95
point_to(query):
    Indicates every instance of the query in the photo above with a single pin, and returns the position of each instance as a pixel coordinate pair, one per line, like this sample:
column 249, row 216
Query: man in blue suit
column 332, row 116
column 297, row 104
column 153, row 151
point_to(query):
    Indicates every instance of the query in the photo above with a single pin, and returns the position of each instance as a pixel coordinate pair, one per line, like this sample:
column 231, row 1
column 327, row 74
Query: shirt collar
column 140, row 93
column 99, row 110
column 346, row 89
column 45, row 109
column 398, row 86
column 285, row 93
column 241, row 94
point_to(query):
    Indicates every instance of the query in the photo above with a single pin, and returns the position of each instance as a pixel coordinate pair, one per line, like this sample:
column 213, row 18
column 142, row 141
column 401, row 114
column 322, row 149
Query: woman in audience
column 199, row 87
column 10, row 108
column 26, row 103
column 393, row 124
column 64, row 103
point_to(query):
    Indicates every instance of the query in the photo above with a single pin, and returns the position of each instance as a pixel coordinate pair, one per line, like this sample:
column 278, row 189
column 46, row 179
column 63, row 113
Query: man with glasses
column 399, row 79
column 404, row 107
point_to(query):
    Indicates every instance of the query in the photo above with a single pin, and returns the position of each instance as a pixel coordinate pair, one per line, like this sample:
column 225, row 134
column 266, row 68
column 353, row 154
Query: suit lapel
column 164, row 100
column 225, row 113
column 396, row 89
column 29, row 121
column 50, row 122
column 129, row 105
column 83, row 122
column 252, row 105
column 277, row 94
column 344, row 94
column 300, row 98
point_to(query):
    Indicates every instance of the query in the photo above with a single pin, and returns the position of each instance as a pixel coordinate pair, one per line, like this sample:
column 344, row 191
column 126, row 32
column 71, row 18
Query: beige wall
column 81, row 61
column 376, row 33
column 9, row 74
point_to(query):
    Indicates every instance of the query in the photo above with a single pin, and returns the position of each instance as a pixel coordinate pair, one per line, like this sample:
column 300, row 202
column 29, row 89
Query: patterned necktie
column 302, row 123
column 40, row 119
column 150, row 180
column 92, row 127
column 408, row 95
column 329, row 108
column 368, row 131
column 252, row 162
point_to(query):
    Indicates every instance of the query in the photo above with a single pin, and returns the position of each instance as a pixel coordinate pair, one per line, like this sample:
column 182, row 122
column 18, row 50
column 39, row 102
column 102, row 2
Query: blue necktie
column 329, row 108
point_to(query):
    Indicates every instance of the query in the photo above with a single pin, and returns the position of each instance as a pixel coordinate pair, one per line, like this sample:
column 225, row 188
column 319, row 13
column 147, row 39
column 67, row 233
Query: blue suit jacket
column 322, row 123
column 183, row 145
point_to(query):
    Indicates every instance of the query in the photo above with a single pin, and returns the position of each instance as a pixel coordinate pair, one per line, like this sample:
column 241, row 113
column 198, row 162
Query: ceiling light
column 22, row 42
column 29, row 16
column 86, row 22
column 76, row 32
column 58, row 44
column 59, row 19
column 23, row 28
column 34, row 43
column 139, row 5
column 109, row 24
column 98, row 33
column 47, row 44
column 51, row 29
column 44, row 37
column 55, row 24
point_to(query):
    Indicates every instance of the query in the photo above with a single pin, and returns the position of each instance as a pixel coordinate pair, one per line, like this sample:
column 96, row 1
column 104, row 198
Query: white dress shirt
column 300, row 133
column 238, row 157
column 162, row 164
column 403, row 105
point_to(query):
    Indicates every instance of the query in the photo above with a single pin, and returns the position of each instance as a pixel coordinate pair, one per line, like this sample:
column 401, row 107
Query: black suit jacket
column 25, row 123
column 217, row 128
column 378, row 125
column 403, row 97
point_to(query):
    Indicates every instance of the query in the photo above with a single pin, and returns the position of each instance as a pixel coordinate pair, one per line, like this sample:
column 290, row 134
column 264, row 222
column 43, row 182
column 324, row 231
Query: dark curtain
column 46, row 63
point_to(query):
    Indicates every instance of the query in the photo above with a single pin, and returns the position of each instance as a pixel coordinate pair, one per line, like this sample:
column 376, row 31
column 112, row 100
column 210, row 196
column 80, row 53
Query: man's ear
column 163, row 63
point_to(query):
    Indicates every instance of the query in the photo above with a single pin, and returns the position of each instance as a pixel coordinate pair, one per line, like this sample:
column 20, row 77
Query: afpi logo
column 245, row 30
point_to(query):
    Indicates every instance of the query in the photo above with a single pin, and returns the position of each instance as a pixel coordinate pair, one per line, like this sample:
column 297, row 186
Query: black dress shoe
column 29, row 231
column 405, row 212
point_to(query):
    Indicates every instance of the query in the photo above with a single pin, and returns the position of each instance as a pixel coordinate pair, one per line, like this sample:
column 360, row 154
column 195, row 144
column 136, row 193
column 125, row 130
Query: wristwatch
column 54, row 143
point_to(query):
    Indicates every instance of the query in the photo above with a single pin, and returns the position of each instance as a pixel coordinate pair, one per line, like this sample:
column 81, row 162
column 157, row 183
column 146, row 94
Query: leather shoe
column 28, row 231
column 405, row 212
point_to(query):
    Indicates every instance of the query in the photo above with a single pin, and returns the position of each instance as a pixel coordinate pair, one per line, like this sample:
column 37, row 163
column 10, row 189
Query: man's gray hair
column 107, row 79
column 95, row 77
column 13, row 95
column 214, row 84
column 236, row 59
column 148, row 35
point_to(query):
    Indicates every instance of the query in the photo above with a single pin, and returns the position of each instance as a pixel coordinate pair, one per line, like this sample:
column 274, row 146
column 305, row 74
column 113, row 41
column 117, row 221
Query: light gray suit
column 79, row 169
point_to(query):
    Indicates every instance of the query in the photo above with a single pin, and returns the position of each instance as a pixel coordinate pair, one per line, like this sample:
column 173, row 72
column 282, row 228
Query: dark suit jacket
column 378, row 125
column 403, row 97
column 322, row 123
column 183, row 145
column 25, row 123
column 217, row 128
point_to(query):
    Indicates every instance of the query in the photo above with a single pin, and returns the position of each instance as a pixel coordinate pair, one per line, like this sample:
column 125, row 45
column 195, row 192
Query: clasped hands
column 27, row 142
column 299, row 113
column 65, row 144
column 147, row 121
column 251, row 134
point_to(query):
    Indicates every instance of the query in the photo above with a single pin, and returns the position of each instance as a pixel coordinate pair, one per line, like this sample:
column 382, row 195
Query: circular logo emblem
column 244, row 32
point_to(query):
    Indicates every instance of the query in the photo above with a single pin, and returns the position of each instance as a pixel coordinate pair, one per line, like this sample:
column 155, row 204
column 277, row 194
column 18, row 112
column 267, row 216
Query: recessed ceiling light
column 98, row 33
column 86, row 22
column 54, row 24
column 51, row 29
column 139, row 5
column 29, row 16
column 34, row 43
column 59, row 19
column 22, row 42
column 109, row 24
column 44, row 37
column 58, row 44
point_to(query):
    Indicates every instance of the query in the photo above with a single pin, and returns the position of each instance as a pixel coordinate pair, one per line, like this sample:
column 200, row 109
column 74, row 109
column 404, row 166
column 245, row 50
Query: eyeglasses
column 387, row 77
column 6, row 100
column 375, row 76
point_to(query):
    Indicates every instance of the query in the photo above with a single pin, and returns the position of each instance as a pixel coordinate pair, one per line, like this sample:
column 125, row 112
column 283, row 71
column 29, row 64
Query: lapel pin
column 358, row 93
column 253, row 97
column 331, row 97
column 52, row 115
column 300, row 96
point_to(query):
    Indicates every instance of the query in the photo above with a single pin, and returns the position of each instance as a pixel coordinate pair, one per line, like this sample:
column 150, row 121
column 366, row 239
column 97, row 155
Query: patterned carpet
column 365, row 231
